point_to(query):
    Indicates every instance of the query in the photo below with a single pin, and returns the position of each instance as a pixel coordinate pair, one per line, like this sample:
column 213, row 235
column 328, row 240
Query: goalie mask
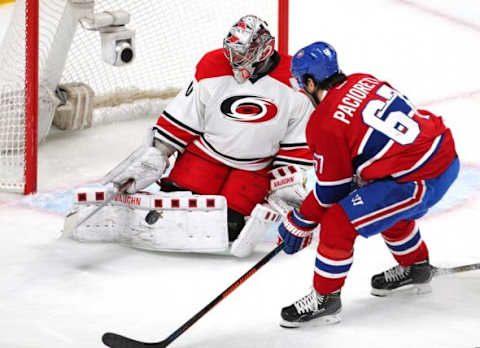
column 248, row 42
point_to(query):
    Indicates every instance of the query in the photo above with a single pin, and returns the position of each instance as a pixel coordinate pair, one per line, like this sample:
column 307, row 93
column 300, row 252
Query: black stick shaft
column 224, row 294
column 439, row 271
column 117, row 341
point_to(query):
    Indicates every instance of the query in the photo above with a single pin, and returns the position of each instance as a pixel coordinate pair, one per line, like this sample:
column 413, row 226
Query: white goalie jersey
column 246, row 126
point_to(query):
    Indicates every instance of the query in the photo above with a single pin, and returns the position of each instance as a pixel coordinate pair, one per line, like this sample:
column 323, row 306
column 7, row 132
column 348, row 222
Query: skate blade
column 411, row 289
column 322, row 321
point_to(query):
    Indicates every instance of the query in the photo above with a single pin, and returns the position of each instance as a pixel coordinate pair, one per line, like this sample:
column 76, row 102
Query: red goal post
column 42, row 49
column 31, row 96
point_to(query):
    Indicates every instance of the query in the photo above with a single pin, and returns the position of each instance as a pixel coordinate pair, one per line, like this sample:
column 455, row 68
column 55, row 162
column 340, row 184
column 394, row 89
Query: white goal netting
column 170, row 37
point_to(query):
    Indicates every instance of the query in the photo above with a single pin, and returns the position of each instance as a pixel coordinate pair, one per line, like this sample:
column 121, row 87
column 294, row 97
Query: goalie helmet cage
column 45, row 46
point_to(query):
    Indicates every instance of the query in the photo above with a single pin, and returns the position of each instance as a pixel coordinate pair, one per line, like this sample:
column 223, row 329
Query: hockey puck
column 152, row 217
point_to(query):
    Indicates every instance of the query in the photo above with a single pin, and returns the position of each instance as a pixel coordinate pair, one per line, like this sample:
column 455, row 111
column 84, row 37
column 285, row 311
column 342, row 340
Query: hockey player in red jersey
column 401, row 160
column 238, row 128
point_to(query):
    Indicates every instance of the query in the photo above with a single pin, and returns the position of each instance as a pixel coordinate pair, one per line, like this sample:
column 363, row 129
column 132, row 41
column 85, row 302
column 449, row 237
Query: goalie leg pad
column 107, row 225
column 260, row 221
column 180, row 231
column 187, row 222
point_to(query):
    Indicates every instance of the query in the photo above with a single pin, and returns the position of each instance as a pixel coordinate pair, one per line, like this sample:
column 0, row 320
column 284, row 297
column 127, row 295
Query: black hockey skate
column 414, row 278
column 313, row 309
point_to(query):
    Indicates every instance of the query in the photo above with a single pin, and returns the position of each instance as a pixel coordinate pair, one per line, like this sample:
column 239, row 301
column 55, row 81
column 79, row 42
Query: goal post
column 283, row 25
column 53, row 64
column 31, row 97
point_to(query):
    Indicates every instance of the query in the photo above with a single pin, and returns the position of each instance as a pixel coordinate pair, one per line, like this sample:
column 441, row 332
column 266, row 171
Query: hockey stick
column 117, row 341
column 440, row 271
column 117, row 191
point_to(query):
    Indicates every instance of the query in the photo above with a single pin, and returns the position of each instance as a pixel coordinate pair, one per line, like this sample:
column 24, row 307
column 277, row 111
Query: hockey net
column 170, row 37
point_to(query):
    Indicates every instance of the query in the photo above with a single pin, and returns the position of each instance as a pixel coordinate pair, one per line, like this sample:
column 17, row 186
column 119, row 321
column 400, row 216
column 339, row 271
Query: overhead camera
column 118, row 46
column 118, row 42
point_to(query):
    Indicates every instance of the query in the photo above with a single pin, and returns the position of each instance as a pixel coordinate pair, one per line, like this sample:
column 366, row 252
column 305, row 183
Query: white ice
column 57, row 293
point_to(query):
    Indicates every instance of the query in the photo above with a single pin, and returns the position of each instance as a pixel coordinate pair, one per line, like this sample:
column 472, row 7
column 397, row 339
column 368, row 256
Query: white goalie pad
column 258, row 224
column 185, row 222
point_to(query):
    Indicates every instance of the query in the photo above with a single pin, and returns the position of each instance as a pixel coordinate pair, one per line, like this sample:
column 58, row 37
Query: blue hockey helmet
column 319, row 60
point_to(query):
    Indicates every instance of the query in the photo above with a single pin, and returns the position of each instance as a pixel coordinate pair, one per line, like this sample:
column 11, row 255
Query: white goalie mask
column 248, row 42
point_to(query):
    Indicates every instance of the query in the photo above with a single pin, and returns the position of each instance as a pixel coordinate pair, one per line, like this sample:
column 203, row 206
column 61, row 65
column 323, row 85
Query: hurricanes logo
column 249, row 108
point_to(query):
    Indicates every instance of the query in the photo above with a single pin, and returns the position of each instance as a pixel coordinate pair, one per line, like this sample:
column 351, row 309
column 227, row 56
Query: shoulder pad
column 213, row 64
column 282, row 71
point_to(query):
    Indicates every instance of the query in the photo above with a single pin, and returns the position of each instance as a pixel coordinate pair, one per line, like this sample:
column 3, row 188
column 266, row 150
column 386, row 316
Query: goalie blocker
column 186, row 222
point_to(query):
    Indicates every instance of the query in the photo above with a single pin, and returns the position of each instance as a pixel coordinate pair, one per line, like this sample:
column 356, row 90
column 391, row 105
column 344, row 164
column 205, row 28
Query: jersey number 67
column 392, row 117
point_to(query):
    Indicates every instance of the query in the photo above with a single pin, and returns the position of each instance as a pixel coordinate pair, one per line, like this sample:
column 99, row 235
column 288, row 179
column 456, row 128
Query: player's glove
column 145, row 166
column 295, row 232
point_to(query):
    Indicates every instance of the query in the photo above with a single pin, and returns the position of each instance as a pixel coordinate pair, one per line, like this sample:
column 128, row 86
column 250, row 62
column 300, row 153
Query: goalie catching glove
column 287, row 184
column 295, row 232
column 145, row 165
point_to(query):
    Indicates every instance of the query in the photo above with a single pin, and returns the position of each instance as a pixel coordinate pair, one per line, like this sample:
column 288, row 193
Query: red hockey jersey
column 366, row 130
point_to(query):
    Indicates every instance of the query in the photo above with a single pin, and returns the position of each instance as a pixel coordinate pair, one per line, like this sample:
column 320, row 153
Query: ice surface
column 57, row 293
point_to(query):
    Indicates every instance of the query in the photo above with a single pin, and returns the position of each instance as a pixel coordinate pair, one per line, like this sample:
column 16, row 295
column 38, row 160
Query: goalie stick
column 119, row 190
column 113, row 340
column 440, row 271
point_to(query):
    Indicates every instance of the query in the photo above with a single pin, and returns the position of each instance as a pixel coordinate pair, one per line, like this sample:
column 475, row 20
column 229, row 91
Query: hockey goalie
column 238, row 132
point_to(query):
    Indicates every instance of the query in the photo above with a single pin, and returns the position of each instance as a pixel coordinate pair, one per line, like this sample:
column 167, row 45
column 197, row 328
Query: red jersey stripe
column 392, row 209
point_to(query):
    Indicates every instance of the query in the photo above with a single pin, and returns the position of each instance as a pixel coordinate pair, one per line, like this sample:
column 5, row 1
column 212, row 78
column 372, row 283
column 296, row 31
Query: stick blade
column 114, row 340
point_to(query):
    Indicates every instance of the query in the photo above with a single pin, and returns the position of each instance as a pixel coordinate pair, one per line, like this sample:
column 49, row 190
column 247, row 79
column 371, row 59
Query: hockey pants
column 385, row 207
